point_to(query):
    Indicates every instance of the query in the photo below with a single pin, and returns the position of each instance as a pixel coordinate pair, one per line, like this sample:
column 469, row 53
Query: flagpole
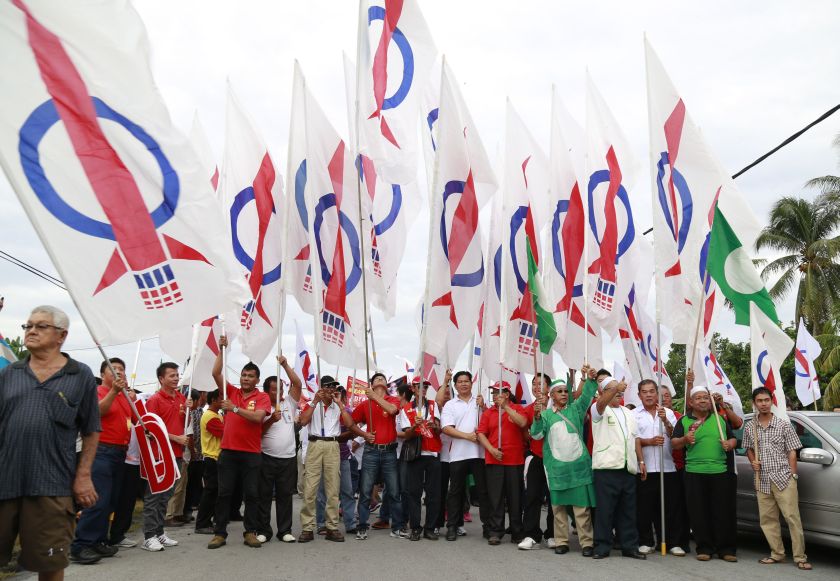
column 224, row 358
column 280, row 344
column 372, row 344
column 136, row 363
column 499, row 409
column 193, row 357
column 689, row 359
column 662, row 433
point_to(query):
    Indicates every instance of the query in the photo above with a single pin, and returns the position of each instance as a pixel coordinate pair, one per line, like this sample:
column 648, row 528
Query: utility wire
column 31, row 269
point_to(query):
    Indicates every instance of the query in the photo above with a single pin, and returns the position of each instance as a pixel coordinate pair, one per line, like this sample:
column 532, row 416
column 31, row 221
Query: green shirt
column 706, row 455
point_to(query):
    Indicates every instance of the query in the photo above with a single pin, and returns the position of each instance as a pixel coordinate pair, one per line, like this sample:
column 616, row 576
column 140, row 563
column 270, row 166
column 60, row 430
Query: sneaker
column 467, row 517
column 126, row 543
column 216, row 542
column 550, row 543
column 166, row 541
column 85, row 556
column 105, row 550
column 437, row 531
column 677, row 551
column 361, row 535
column 462, row 532
column 400, row 534
column 205, row 531
column 262, row 539
column 375, row 507
column 252, row 541
column 645, row 550
column 415, row 535
column 528, row 543
column 288, row 538
column 152, row 544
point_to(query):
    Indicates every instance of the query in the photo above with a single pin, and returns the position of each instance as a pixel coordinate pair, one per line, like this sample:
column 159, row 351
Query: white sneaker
column 462, row 532
column 645, row 550
column 528, row 543
column 550, row 543
column 677, row 551
column 126, row 543
column 262, row 538
column 152, row 544
column 288, row 538
column 166, row 541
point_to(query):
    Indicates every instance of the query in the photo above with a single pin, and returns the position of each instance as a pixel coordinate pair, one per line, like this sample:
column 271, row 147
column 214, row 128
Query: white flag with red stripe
column 707, row 369
column 116, row 194
column 769, row 346
column 489, row 316
column 806, row 353
column 252, row 194
column 198, row 138
column 304, row 366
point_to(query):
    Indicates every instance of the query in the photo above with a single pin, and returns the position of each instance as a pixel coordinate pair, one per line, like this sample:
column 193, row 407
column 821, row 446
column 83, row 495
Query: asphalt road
column 381, row 557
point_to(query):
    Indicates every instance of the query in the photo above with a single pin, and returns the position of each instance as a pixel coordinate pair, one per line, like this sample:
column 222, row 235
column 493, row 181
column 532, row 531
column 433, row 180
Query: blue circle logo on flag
column 378, row 13
column 241, row 200
column 346, row 226
column 469, row 279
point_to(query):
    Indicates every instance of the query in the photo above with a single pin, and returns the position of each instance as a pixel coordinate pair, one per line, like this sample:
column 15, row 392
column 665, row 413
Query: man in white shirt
column 616, row 459
column 278, row 471
column 656, row 424
column 323, row 415
column 459, row 421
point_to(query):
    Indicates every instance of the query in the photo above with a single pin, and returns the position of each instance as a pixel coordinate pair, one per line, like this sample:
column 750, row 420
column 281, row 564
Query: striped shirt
column 774, row 443
column 38, row 426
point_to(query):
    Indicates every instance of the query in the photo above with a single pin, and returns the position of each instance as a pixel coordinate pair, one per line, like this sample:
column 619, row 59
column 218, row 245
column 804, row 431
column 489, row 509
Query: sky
column 751, row 73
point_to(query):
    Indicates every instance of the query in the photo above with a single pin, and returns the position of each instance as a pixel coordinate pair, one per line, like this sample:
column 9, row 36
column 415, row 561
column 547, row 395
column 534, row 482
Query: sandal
column 804, row 566
column 770, row 561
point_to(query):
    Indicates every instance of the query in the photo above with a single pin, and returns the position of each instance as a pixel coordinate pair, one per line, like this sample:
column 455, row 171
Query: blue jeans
column 106, row 474
column 373, row 462
column 348, row 503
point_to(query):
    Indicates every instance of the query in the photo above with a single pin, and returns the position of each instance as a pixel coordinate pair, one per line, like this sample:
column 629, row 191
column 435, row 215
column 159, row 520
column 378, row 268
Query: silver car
column 819, row 479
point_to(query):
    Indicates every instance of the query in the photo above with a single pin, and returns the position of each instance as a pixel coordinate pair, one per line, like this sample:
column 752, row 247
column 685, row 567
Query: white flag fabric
column 613, row 251
column 708, row 370
column 333, row 209
column 579, row 337
column 297, row 264
column 524, row 211
column 252, row 194
column 202, row 341
column 641, row 348
column 198, row 138
column 395, row 56
column 769, row 346
column 807, row 380
column 116, row 194
column 304, row 367
column 456, row 265
column 489, row 322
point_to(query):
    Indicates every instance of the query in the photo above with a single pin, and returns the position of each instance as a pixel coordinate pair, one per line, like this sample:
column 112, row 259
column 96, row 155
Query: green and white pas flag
column 731, row 267
column 546, row 326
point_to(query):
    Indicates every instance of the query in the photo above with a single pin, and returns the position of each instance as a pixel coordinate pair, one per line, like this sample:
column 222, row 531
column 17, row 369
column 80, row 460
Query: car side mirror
column 816, row 456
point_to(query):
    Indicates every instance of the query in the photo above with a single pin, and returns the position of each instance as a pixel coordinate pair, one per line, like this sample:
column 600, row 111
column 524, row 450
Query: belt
column 123, row 447
column 323, row 438
column 391, row 446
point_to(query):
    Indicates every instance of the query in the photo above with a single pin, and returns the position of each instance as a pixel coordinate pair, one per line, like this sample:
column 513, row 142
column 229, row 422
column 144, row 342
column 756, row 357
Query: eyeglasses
column 40, row 327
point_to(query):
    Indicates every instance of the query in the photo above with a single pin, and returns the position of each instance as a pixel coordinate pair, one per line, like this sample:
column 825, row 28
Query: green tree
column 17, row 347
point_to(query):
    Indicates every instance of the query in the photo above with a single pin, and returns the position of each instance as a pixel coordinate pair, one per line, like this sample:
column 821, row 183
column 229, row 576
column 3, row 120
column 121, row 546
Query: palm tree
column 806, row 234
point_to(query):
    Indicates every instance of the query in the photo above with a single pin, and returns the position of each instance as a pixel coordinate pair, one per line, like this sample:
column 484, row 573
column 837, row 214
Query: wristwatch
column 235, row 410
column 795, row 476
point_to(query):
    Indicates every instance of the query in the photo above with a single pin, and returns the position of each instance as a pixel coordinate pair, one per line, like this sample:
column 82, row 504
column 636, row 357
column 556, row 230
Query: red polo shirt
column 384, row 425
column 513, row 440
column 116, row 424
column 535, row 445
column 240, row 434
column 172, row 409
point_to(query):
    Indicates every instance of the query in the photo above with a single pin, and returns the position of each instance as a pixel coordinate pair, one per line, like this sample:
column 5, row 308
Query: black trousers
column 536, row 493
column 243, row 467
column 128, row 491
column 457, row 492
column 423, row 476
column 209, row 495
column 615, row 494
column 440, row 521
column 649, row 513
column 712, row 512
column 504, row 488
column 195, row 472
column 278, row 482
column 682, row 526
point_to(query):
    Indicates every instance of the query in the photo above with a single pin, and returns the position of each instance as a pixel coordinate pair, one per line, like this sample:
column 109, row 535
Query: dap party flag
column 806, row 352
column 395, row 57
column 526, row 324
column 489, row 317
column 252, row 195
column 7, row 356
column 116, row 194
column 769, row 346
column 613, row 251
column 685, row 179
column 708, row 370
column 304, row 367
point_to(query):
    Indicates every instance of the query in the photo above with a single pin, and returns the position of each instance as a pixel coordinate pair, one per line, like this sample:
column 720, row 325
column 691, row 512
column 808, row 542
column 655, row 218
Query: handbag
column 411, row 449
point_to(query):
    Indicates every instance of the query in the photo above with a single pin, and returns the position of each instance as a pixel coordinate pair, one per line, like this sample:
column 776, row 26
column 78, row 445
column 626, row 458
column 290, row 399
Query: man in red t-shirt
column 536, row 487
column 504, row 459
column 108, row 465
column 380, row 455
column 171, row 406
column 241, row 455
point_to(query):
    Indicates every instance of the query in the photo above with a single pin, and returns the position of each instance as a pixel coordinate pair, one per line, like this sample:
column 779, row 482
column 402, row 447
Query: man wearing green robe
column 566, row 460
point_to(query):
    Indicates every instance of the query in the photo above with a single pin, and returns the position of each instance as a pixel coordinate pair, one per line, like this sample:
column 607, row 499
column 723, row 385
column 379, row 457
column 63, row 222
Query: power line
column 32, row 270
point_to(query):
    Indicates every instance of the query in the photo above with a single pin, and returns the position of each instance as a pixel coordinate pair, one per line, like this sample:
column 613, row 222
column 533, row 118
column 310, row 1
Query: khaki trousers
column 787, row 502
column 176, row 503
column 322, row 459
column 583, row 522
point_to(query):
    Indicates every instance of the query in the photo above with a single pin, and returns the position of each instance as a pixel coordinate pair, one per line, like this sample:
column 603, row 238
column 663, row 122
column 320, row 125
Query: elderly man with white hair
column 616, row 459
column 45, row 400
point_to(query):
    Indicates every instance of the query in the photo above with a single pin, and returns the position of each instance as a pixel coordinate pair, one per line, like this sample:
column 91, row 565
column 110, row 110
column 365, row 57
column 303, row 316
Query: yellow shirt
column 210, row 445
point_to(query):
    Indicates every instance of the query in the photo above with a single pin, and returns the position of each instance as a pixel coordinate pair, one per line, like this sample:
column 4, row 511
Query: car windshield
column 830, row 424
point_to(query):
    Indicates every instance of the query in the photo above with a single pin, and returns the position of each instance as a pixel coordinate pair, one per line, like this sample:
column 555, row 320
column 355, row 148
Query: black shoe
column 600, row 555
column 634, row 555
column 587, row 551
column 494, row 540
column 105, row 550
column 85, row 556
column 451, row 534
column 205, row 531
column 485, row 533
column 430, row 535
column 561, row 549
column 415, row 535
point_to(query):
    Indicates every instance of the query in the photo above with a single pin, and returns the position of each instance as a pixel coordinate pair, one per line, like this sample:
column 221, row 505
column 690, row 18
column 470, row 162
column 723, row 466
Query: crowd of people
column 597, row 464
